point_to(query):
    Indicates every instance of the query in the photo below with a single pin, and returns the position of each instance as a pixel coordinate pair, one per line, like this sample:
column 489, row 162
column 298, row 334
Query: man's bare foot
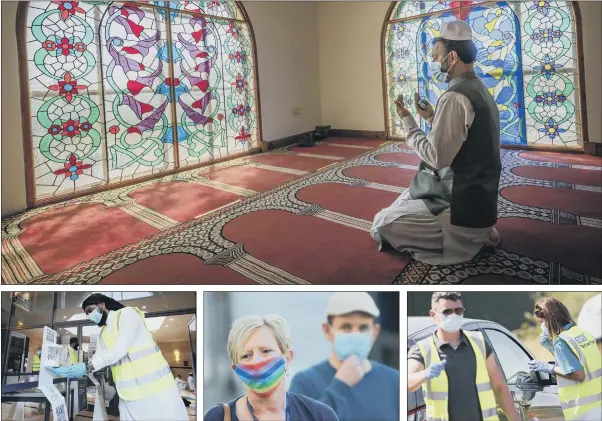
column 494, row 239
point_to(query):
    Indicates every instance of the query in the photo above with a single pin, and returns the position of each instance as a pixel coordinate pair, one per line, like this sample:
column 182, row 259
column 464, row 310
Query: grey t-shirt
column 461, row 370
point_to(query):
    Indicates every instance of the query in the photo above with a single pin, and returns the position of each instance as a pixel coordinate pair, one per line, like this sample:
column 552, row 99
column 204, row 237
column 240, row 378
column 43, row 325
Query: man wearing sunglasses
column 456, row 369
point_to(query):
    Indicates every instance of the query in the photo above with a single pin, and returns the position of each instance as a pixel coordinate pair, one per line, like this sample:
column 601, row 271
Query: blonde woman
column 260, row 348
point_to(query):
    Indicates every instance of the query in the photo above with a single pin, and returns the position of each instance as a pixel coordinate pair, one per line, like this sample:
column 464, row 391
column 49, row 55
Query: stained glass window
column 123, row 90
column 527, row 58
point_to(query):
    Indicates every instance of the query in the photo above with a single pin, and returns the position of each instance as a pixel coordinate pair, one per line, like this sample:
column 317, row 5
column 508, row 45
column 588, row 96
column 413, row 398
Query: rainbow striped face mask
column 263, row 377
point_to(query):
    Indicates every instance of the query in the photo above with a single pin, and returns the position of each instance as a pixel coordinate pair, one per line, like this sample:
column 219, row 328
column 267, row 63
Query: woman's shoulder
column 322, row 411
column 217, row 412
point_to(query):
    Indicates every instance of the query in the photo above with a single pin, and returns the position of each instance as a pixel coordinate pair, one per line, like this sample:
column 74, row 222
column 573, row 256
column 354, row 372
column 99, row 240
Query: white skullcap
column 456, row 30
column 590, row 317
column 342, row 303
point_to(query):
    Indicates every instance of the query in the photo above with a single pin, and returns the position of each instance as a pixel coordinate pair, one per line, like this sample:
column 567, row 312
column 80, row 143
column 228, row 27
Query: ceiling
column 38, row 305
column 164, row 329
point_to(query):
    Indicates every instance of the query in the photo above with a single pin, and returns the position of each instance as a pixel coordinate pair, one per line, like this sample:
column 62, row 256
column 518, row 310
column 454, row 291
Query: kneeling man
column 448, row 213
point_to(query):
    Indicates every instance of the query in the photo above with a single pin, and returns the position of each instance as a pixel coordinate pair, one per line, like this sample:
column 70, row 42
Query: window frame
column 485, row 329
column 586, row 146
column 25, row 94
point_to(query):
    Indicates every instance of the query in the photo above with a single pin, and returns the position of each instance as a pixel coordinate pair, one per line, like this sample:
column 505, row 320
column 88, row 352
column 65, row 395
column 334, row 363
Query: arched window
column 111, row 102
column 527, row 58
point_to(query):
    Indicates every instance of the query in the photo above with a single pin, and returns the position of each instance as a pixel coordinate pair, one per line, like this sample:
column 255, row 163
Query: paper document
column 100, row 411
column 51, row 357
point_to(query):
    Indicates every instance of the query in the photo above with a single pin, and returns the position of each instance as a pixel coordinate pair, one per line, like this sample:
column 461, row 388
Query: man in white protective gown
column 191, row 383
column 144, row 382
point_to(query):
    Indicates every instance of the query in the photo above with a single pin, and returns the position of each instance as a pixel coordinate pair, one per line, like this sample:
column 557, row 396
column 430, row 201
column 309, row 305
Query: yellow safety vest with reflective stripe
column 73, row 355
column 436, row 394
column 36, row 363
column 580, row 398
column 143, row 372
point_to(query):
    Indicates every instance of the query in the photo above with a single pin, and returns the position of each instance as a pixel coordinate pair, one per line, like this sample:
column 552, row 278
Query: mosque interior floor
column 301, row 215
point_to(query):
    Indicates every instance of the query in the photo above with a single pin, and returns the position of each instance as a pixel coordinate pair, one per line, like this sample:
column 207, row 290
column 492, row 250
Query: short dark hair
column 329, row 319
column 466, row 50
column 73, row 340
column 453, row 296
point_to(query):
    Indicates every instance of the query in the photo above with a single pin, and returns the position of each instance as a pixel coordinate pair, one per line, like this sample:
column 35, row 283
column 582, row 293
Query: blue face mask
column 348, row 344
column 95, row 316
column 436, row 73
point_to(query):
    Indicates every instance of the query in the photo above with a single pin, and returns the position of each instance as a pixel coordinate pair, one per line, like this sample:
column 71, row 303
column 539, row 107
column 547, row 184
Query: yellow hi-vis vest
column 580, row 398
column 143, row 372
column 73, row 355
column 436, row 390
column 36, row 363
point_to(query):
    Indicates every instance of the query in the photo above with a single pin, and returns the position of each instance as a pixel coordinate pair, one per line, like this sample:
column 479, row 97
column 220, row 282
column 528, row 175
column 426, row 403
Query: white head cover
column 590, row 317
column 456, row 30
column 342, row 303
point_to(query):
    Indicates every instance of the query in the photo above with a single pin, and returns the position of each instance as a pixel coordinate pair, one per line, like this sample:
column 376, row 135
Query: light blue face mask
column 436, row 73
column 356, row 343
column 95, row 316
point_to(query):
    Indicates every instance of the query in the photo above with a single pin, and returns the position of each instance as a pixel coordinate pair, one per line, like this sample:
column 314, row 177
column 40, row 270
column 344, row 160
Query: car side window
column 513, row 359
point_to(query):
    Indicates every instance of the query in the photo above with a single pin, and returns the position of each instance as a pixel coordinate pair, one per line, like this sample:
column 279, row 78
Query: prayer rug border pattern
column 205, row 233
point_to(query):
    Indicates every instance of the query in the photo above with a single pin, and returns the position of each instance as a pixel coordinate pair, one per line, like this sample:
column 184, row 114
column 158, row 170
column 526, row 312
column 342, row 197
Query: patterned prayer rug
column 301, row 216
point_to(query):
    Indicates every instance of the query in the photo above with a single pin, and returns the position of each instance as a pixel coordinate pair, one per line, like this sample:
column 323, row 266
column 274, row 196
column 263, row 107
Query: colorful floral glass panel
column 112, row 99
column 526, row 58
column 65, row 88
column 136, row 91
column 216, row 103
column 218, row 8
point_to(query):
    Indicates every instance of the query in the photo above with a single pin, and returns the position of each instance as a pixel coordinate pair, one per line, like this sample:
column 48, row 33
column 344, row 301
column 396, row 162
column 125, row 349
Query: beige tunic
column 408, row 225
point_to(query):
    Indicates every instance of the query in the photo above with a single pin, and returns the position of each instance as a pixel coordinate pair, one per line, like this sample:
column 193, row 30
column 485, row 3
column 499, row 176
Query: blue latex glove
column 434, row 370
column 542, row 366
column 546, row 342
column 75, row 370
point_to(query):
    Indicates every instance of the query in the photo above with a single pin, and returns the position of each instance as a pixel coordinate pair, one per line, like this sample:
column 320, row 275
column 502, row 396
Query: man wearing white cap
column 590, row 318
column 357, row 388
column 448, row 213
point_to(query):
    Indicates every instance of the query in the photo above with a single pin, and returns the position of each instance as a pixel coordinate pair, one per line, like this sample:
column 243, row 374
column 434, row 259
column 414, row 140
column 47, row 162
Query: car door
column 535, row 397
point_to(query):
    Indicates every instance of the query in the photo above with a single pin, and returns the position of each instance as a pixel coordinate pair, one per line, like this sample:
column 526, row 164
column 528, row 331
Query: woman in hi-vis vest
column 578, row 362
column 144, row 382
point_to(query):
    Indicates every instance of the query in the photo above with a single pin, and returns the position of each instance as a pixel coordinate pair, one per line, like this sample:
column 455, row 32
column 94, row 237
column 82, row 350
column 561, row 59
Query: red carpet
column 401, row 177
column 358, row 202
column 180, row 200
column 302, row 215
column 251, row 178
column 67, row 236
